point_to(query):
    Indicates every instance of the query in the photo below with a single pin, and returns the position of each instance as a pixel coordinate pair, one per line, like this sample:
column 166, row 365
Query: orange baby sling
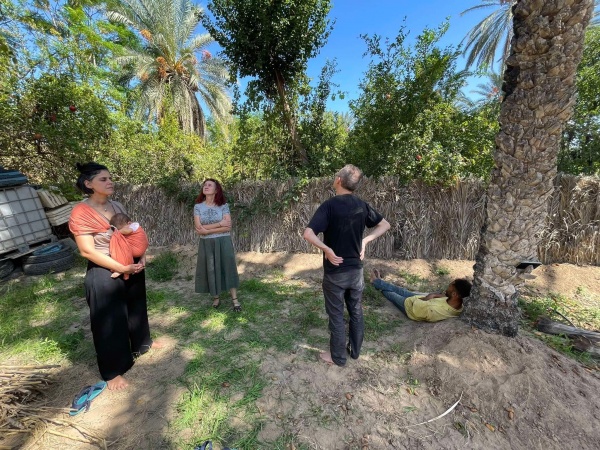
column 86, row 220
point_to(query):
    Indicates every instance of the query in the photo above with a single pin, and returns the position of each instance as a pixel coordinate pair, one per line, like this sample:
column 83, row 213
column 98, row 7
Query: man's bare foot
column 157, row 345
column 375, row 274
column 117, row 383
column 326, row 356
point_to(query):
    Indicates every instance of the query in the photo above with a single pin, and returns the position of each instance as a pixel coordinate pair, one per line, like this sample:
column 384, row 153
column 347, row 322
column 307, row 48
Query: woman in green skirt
column 216, row 270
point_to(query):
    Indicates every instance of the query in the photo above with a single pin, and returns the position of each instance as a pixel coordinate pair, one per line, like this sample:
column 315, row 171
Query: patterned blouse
column 209, row 215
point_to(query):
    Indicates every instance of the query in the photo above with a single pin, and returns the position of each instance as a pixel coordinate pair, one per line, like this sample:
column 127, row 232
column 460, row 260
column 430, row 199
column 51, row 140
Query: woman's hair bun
column 90, row 167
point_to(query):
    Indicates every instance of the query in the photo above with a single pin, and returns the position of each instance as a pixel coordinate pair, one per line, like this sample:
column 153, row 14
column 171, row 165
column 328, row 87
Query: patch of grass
column 395, row 353
column 285, row 442
column 37, row 317
column 376, row 326
column 582, row 314
column 413, row 282
column 372, row 296
column 582, row 291
column 441, row 271
column 534, row 307
column 39, row 321
column 222, row 386
column 163, row 267
column 157, row 301
column 224, row 376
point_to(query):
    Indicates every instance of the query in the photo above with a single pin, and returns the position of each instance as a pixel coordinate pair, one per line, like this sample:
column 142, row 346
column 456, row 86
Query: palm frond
column 487, row 4
column 483, row 39
column 167, row 67
column 199, row 42
column 188, row 24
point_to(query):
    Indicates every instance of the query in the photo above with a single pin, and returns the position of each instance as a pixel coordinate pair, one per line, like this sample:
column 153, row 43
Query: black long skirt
column 119, row 319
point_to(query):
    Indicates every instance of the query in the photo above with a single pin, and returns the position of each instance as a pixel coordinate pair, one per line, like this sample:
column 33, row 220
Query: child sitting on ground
column 135, row 238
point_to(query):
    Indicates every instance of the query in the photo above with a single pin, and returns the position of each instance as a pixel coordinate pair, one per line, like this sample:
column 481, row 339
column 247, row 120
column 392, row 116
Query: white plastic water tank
column 22, row 219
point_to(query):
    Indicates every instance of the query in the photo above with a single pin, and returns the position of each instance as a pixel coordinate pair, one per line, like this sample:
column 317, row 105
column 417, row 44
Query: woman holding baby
column 118, row 309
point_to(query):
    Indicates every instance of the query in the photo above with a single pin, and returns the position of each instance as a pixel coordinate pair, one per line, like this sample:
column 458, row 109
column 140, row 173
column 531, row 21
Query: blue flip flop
column 83, row 400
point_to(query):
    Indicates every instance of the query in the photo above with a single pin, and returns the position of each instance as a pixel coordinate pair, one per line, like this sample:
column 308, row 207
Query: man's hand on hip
column 332, row 257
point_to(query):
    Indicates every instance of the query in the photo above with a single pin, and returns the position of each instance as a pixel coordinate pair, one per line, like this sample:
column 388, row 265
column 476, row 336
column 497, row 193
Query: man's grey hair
column 350, row 177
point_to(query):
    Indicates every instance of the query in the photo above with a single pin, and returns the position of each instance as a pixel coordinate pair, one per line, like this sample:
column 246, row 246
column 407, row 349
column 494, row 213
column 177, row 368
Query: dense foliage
column 407, row 119
column 72, row 84
column 580, row 150
column 271, row 42
column 50, row 123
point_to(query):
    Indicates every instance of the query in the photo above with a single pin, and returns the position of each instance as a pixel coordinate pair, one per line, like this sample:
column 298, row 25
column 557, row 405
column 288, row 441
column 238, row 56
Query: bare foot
column 117, row 383
column 157, row 345
column 375, row 274
column 326, row 357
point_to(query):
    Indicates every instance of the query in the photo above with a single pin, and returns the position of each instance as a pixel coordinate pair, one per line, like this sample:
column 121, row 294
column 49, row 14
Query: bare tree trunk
column 198, row 121
column 539, row 94
column 290, row 120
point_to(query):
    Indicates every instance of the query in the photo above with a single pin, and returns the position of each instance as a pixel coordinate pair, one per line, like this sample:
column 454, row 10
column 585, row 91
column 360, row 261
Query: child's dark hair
column 88, row 171
column 120, row 220
column 463, row 287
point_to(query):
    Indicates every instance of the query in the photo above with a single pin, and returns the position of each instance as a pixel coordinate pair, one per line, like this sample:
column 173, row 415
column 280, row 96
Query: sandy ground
column 505, row 393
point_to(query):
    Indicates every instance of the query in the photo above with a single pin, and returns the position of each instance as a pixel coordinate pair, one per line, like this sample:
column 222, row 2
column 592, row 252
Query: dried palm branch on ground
column 24, row 415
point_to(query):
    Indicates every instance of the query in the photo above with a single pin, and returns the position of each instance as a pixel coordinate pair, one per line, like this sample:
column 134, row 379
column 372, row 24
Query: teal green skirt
column 216, row 270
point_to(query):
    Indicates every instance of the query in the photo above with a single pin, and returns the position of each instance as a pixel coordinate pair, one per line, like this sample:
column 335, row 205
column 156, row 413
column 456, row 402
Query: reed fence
column 429, row 222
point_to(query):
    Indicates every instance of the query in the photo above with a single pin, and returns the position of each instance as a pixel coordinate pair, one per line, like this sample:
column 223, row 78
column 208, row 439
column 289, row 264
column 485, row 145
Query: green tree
column 262, row 149
column 172, row 64
column 8, row 31
column 407, row 122
column 271, row 42
column 49, row 124
column 142, row 154
column 324, row 133
column 580, row 149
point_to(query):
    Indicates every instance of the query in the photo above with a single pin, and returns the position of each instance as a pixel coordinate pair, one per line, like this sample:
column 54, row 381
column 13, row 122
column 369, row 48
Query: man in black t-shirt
column 342, row 220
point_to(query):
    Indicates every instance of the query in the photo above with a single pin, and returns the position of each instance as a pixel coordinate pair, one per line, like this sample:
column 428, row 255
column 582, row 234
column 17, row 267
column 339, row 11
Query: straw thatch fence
column 427, row 222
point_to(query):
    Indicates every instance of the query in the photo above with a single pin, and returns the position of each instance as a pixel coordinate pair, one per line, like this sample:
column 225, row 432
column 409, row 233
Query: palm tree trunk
column 539, row 89
column 199, row 122
column 290, row 120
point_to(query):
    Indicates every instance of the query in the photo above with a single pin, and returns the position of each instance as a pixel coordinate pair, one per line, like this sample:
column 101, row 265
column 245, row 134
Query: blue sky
column 385, row 17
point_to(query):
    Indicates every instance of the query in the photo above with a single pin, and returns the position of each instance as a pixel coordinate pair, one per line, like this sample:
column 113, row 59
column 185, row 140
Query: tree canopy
column 271, row 42
column 407, row 121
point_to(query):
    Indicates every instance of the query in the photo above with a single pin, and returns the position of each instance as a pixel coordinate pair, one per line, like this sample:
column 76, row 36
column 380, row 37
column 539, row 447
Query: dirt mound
column 506, row 393
column 530, row 395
